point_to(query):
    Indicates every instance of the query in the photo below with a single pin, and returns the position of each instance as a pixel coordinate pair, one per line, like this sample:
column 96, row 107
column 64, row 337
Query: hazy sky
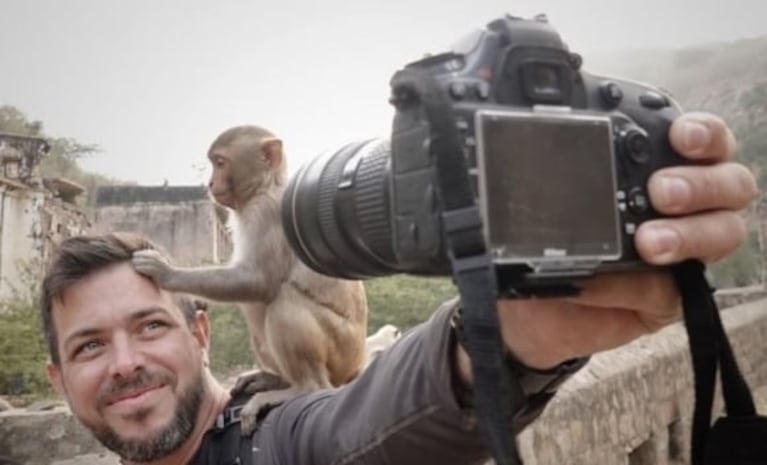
column 154, row 81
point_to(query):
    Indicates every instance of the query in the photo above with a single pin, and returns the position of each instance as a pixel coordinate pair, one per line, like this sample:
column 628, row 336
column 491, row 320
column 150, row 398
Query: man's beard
column 167, row 440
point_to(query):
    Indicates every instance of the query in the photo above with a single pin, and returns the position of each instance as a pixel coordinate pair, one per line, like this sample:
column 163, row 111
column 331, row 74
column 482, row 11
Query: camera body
column 558, row 159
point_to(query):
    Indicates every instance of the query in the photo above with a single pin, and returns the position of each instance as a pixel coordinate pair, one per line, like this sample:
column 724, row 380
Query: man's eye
column 154, row 326
column 87, row 348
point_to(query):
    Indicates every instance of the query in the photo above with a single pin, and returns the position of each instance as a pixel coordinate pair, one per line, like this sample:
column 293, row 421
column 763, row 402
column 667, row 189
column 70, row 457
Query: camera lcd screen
column 547, row 186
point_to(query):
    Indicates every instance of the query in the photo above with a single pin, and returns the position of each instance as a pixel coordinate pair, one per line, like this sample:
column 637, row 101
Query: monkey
column 306, row 327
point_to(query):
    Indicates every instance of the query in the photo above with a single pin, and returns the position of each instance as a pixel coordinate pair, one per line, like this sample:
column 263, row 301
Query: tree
column 64, row 154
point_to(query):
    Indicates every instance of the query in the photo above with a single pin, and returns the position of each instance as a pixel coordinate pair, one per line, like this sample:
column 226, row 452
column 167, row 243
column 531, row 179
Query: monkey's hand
column 258, row 385
column 261, row 403
column 153, row 265
column 257, row 381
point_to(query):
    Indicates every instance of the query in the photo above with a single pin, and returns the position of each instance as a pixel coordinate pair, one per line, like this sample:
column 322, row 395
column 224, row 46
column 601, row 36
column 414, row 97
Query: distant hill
column 729, row 79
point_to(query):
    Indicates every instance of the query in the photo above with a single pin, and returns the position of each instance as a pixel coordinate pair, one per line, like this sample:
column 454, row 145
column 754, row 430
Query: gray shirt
column 402, row 410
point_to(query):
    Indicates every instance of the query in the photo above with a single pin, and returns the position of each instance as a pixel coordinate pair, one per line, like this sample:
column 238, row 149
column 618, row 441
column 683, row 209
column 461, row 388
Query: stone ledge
column 634, row 405
column 42, row 438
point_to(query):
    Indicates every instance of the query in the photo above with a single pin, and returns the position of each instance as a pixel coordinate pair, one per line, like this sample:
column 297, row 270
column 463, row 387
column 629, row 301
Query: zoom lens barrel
column 335, row 212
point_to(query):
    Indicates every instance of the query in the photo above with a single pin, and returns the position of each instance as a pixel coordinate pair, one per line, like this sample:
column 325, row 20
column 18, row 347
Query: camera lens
column 335, row 212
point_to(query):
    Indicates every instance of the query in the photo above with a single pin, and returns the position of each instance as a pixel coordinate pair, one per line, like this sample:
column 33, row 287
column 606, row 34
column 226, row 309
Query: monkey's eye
column 219, row 162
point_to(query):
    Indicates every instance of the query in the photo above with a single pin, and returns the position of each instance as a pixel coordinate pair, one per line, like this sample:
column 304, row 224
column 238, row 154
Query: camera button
column 653, row 100
column 483, row 90
column 637, row 146
column 611, row 93
column 638, row 201
column 458, row 90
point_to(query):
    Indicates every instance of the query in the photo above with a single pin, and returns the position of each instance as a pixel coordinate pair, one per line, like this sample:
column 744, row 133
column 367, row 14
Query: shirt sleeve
column 402, row 410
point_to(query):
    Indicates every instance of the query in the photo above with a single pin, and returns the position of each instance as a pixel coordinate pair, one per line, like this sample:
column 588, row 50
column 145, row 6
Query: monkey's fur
column 308, row 328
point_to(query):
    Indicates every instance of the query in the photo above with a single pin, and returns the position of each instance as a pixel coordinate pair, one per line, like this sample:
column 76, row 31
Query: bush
column 230, row 345
column 23, row 353
column 405, row 301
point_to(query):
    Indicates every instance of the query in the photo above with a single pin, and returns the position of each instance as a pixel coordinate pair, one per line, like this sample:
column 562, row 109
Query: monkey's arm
column 234, row 283
column 403, row 409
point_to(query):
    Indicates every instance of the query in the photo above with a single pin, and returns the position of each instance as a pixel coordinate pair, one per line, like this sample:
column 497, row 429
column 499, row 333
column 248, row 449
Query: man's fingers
column 688, row 189
column 707, row 236
column 702, row 136
column 645, row 291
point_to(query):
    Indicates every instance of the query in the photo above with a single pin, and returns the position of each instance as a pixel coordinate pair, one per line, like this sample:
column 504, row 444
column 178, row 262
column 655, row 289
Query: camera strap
column 740, row 437
column 496, row 394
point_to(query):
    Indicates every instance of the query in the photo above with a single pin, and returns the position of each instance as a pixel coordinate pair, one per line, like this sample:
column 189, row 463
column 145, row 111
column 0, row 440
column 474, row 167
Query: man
column 131, row 359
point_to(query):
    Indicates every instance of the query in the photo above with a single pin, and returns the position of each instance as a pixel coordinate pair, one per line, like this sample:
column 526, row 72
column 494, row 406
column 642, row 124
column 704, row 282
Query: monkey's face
column 221, row 184
column 238, row 171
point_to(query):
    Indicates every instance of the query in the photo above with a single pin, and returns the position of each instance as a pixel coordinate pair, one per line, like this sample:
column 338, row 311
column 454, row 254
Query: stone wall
column 634, row 405
column 181, row 219
column 628, row 406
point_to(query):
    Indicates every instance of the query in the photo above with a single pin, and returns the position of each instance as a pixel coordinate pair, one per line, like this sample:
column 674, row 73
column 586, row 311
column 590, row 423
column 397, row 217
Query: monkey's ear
column 272, row 149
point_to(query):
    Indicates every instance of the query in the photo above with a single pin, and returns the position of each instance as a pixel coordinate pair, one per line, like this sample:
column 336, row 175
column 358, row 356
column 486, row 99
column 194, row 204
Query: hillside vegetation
column 728, row 79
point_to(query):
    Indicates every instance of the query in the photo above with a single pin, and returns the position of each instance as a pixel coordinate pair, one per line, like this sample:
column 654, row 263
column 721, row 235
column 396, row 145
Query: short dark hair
column 80, row 256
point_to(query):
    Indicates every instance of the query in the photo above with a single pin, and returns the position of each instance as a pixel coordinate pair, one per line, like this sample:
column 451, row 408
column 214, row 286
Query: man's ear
column 272, row 150
column 55, row 377
column 201, row 332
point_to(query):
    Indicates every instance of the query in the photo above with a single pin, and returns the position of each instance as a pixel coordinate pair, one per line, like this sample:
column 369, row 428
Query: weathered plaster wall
column 21, row 240
column 181, row 219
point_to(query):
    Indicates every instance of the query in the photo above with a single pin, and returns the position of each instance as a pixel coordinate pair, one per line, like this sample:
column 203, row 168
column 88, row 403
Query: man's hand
column 613, row 309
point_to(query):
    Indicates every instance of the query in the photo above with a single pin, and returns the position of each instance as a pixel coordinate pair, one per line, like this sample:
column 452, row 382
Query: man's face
column 131, row 366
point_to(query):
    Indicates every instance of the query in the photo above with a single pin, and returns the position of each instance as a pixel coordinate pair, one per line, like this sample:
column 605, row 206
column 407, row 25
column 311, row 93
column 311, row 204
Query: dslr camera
column 557, row 158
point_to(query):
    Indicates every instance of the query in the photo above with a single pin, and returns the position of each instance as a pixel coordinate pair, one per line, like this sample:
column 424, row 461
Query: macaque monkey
column 379, row 341
column 305, row 327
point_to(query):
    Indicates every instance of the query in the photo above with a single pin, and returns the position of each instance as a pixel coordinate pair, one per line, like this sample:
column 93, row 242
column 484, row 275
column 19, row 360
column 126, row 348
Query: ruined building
column 181, row 219
column 35, row 212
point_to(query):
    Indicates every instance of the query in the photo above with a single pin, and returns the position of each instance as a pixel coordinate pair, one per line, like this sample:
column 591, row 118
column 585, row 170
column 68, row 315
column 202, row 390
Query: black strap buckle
column 228, row 416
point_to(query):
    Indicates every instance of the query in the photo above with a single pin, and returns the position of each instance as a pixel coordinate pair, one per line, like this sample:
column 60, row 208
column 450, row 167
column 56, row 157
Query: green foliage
column 22, row 349
column 405, row 301
column 230, row 344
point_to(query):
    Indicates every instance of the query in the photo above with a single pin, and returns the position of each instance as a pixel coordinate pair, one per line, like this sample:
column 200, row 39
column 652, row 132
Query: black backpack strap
column 224, row 444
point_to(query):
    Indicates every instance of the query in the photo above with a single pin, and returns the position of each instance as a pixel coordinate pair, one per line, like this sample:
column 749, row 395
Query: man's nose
column 126, row 357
